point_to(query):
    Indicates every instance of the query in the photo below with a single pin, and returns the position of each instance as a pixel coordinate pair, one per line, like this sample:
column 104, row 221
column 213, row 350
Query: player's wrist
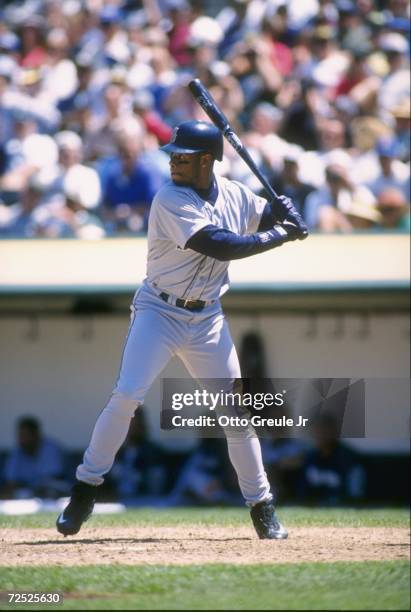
column 275, row 236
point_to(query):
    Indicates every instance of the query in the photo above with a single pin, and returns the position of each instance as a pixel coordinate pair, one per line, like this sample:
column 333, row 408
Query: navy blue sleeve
column 225, row 245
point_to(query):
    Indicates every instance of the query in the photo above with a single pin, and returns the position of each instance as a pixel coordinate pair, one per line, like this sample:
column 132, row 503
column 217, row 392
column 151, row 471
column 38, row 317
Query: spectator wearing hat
column 22, row 96
column 28, row 154
column 392, row 172
column 23, row 218
column 327, row 208
column 394, row 208
column 328, row 63
column 396, row 84
column 363, row 214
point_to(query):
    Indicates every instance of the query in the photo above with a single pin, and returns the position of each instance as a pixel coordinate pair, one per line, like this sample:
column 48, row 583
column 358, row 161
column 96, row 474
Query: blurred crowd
column 323, row 471
column 318, row 90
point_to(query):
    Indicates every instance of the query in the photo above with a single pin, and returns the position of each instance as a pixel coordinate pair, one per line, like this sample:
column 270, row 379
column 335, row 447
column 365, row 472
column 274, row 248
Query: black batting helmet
column 196, row 137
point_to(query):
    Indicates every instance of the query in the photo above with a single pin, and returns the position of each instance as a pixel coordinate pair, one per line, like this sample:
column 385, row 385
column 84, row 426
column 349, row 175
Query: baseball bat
column 211, row 108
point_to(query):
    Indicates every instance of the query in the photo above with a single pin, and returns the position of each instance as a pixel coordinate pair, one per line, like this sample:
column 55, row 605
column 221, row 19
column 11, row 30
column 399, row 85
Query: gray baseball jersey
column 177, row 213
column 158, row 330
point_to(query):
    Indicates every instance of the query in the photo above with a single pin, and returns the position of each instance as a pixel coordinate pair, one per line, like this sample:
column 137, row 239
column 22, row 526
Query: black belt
column 194, row 305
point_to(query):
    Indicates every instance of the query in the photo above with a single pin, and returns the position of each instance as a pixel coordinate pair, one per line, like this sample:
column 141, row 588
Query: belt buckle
column 185, row 302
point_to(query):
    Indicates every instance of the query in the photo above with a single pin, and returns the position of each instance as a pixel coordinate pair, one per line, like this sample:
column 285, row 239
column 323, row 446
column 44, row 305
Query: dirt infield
column 195, row 545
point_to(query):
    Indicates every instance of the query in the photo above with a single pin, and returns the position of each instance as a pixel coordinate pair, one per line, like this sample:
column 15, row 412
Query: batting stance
column 198, row 223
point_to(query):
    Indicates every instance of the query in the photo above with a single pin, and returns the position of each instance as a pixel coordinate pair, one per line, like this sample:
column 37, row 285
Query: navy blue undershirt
column 224, row 245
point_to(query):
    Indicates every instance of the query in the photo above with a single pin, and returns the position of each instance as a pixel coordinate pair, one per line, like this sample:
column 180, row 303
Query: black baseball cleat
column 78, row 510
column 266, row 524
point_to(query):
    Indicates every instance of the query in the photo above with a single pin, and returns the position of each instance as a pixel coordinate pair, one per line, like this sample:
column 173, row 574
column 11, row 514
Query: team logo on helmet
column 174, row 135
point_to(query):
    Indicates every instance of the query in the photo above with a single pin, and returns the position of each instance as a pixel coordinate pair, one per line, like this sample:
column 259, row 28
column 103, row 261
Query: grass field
column 339, row 585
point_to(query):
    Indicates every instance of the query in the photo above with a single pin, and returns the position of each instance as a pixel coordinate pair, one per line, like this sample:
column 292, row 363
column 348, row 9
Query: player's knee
column 122, row 404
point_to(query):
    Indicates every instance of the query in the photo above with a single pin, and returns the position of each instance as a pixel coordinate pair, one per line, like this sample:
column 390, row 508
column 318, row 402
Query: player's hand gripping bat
column 282, row 206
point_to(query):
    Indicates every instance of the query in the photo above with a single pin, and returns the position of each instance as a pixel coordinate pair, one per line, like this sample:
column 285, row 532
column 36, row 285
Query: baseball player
column 198, row 223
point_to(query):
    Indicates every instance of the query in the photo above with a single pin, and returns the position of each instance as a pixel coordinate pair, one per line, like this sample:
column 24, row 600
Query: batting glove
column 293, row 216
column 289, row 230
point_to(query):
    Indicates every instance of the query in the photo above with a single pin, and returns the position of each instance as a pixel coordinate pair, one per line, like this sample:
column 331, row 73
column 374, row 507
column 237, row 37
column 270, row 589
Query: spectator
column 70, row 148
column 60, row 76
column 98, row 130
column 73, row 216
column 396, row 84
column 35, row 466
column 235, row 24
column 87, row 95
column 326, row 208
column 129, row 183
column 328, row 63
column 143, row 102
column 330, row 77
column 7, row 67
column 33, row 53
column 365, row 132
column 331, row 135
column 180, row 18
column 394, row 209
column 352, row 29
column 24, row 100
column 332, row 473
column 21, row 220
column 265, row 125
column 114, row 47
column 288, row 181
column 393, row 173
column 363, row 215
column 301, row 102
column 401, row 115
